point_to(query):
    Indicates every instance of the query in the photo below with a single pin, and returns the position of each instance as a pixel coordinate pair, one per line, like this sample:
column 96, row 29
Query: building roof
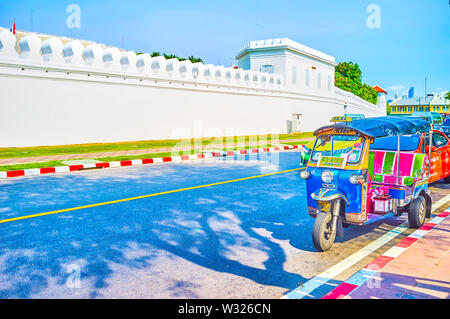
column 285, row 43
column 413, row 101
column 437, row 100
column 379, row 89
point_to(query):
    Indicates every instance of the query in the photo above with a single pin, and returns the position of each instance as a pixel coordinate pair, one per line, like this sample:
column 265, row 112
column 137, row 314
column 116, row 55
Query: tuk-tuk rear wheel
column 417, row 212
column 447, row 179
column 323, row 237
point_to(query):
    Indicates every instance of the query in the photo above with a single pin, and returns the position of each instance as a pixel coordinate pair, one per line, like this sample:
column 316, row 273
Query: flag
column 13, row 28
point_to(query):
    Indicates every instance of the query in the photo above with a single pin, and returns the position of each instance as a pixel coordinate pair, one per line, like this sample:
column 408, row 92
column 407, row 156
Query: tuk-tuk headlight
column 356, row 179
column 327, row 176
column 304, row 174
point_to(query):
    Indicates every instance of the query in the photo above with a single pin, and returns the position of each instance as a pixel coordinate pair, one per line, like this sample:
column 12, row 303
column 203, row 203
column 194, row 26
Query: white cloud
column 440, row 92
column 396, row 87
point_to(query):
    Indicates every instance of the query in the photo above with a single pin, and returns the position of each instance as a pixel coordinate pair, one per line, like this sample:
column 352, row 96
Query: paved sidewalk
column 420, row 272
column 63, row 157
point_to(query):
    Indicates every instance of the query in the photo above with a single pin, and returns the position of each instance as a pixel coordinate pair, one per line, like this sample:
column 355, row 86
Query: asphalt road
column 243, row 239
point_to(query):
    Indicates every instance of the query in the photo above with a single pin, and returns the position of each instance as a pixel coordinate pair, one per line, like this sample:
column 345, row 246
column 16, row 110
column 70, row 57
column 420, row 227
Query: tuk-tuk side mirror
column 304, row 158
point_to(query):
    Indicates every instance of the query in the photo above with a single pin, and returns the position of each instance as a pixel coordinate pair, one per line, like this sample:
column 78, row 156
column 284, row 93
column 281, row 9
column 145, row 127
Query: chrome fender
column 328, row 195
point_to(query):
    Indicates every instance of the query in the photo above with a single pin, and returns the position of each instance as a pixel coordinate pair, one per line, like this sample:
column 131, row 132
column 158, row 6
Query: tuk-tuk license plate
column 333, row 162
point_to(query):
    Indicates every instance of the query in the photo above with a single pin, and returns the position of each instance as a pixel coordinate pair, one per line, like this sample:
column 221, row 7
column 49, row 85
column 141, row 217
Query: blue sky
column 412, row 43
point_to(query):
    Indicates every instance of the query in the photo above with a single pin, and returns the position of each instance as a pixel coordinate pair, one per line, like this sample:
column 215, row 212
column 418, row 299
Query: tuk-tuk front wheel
column 416, row 212
column 323, row 237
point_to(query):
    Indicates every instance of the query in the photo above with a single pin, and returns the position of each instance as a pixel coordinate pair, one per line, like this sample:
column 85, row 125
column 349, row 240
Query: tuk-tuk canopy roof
column 383, row 126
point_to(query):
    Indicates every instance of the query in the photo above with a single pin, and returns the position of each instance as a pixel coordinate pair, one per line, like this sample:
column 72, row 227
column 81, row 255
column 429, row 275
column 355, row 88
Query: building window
column 319, row 80
column 294, row 75
column 268, row 68
column 329, row 83
column 307, row 77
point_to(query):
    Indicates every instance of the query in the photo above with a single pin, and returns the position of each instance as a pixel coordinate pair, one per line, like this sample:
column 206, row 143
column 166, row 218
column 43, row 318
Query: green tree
column 348, row 78
column 349, row 70
column 170, row 56
column 388, row 109
column 173, row 56
column 368, row 93
column 194, row 59
column 447, row 96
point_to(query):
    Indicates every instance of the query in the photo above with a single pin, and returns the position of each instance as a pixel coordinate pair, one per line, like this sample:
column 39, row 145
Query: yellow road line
column 140, row 197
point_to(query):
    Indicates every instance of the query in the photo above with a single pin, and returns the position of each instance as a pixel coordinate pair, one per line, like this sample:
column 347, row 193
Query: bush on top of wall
column 348, row 78
column 191, row 58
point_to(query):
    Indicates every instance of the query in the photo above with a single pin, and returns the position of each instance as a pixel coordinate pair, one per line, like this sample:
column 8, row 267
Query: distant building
column 411, row 92
column 430, row 103
column 301, row 67
column 439, row 104
column 381, row 94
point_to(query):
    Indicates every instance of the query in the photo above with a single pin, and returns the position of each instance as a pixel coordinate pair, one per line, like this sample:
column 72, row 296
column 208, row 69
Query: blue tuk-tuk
column 347, row 182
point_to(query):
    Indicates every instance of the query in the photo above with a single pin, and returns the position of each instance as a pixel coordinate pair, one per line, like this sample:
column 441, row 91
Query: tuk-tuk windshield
column 349, row 147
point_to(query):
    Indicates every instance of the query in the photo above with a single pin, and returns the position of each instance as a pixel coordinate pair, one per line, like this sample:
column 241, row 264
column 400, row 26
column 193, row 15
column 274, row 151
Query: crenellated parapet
column 30, row 48
column 73, row 53
column 51, row 51
column 93, row 56
column 7, row 45
column 128, row 61
column 60, row 53
column 185, row 70
column 111, row 59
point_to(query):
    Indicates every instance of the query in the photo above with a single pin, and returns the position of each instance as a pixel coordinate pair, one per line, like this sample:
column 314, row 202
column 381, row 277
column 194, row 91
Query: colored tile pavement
column 418, row 267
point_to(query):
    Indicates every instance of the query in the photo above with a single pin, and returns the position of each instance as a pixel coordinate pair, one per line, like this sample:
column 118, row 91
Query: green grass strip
column 17, row 167
column 19, row 152
column 129, row 157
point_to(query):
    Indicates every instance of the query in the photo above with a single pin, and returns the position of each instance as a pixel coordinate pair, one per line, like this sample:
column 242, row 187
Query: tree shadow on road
column 233, row 229
column 213, row 228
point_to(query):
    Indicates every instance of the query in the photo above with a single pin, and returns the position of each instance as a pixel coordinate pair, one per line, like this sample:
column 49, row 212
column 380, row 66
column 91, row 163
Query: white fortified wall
column 60, row 91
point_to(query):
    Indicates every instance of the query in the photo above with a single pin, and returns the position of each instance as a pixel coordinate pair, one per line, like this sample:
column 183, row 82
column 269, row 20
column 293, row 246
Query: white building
column 306, row 71
column 302, row 69
column 57, row 91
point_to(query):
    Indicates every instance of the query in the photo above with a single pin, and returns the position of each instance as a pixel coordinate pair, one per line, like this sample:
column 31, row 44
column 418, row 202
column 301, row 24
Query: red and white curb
column 156, row 160
column 370, row 272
